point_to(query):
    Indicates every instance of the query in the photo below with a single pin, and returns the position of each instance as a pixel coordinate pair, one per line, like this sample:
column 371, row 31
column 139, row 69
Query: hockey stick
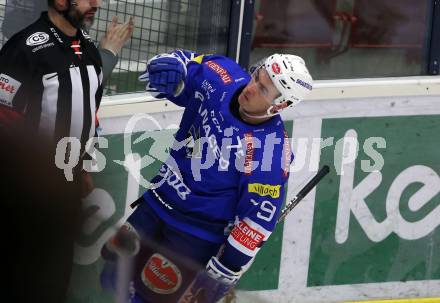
column 303, row 192
column 191, row 293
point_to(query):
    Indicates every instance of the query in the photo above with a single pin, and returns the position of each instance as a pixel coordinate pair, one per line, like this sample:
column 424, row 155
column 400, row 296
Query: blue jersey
column 224, row 180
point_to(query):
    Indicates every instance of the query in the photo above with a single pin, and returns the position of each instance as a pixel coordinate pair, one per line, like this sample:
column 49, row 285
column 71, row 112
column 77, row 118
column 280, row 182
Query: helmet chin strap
column 267, row 115
column 271, row 111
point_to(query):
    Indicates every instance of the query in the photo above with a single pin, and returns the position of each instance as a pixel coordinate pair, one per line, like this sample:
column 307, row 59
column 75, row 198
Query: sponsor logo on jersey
column 161, row 275
column 199, row 95
column 265, row 189
column 55, row 33
column 209, row 134
column 248, row 140
column 36, row 49
column 247, row 236
column 86, row 35
column 207, row 87
column 174, row 181
column 37, row 39
column 276, row 68
column 224, row 75
column 8, row 88
column 223, row 96
column 287, row 155
column 304, row 84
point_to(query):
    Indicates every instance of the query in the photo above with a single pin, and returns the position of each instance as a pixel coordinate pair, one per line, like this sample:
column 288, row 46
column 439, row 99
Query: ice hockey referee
column 50, row 88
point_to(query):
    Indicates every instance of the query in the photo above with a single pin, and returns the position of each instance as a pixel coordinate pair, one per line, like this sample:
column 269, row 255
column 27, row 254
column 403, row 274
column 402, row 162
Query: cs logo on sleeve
column 37, row 39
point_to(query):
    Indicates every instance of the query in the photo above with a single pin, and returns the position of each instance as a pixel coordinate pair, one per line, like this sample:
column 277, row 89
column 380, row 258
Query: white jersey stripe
column 94, row 84
column 77, row 116
column 101, row 76
column 49, row 104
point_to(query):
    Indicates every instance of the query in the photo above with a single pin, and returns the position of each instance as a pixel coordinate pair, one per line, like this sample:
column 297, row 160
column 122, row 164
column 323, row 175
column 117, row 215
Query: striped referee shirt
column 50, row 81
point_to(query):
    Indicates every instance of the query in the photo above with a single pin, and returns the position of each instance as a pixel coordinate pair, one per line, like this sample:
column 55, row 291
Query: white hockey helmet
column 290, row 76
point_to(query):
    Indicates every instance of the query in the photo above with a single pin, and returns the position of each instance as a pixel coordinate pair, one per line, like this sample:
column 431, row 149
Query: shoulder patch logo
column 37, row 39
column 8, row 88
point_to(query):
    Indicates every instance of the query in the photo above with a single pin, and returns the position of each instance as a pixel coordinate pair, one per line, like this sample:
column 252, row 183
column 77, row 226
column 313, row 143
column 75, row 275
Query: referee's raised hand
column 117, row 35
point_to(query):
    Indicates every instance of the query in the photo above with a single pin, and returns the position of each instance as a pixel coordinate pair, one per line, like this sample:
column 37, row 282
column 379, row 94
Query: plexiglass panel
column 345, row 38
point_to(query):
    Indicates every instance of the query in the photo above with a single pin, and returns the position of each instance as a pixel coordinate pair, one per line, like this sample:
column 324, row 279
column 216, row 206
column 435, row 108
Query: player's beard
column 78, row 19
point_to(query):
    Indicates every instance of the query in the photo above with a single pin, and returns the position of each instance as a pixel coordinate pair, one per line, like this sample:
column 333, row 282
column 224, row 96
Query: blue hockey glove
column 166, row 74
column 211, row 284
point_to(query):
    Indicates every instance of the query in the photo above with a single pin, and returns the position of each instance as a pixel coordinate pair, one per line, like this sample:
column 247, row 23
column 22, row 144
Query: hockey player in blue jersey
column 216, row 200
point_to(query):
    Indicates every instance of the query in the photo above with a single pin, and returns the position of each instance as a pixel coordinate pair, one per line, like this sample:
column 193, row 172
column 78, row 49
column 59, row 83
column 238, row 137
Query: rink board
column 370, row 232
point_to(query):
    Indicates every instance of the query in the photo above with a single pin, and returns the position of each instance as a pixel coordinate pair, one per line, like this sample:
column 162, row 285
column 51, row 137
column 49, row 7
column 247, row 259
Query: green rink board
column 411, row 142
column 412, row 145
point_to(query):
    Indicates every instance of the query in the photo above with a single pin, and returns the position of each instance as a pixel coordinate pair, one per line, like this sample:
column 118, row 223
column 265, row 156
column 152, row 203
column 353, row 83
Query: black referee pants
column 41, row 217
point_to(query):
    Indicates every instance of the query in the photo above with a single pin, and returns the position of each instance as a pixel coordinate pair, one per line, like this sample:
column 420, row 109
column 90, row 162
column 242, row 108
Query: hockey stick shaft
column 303, row 192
